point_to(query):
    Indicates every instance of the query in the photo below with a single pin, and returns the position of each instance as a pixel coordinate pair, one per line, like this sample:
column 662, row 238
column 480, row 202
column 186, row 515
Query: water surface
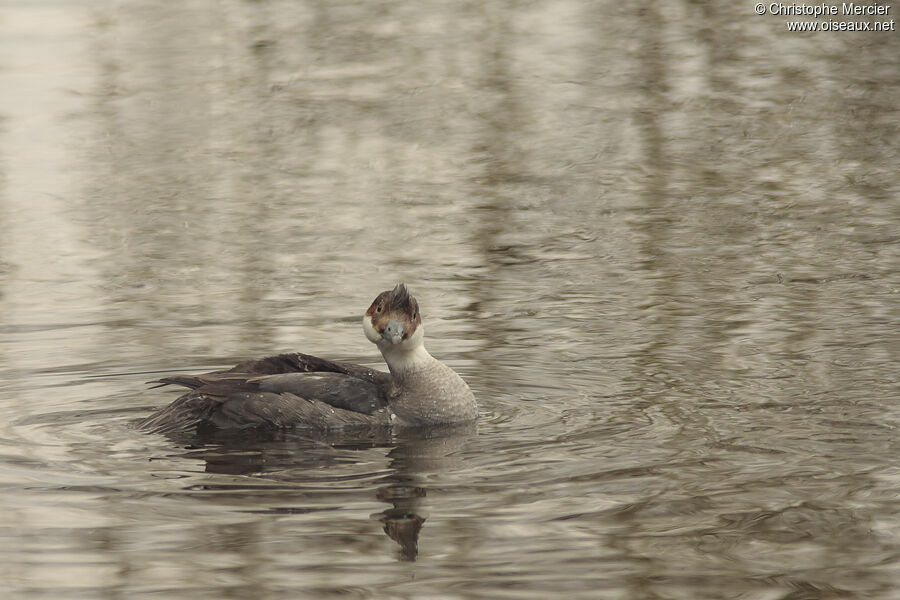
column 661, row 241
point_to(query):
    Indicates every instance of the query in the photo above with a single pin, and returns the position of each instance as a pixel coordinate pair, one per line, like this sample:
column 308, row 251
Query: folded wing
column 281, row 391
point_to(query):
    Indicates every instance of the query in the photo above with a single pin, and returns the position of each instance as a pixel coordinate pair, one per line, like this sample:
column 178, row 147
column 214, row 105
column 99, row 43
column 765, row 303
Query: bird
column 299, row 390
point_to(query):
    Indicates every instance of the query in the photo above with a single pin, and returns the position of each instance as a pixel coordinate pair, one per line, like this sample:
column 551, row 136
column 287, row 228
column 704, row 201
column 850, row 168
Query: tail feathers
column 188, row 381
column 207, row 379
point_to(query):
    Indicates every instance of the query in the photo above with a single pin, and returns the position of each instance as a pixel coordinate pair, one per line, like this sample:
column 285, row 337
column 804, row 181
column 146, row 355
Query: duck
column 297, row 390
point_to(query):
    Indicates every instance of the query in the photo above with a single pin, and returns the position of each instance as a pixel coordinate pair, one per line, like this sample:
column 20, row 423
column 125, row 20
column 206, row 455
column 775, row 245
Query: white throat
column 403, row 358
column 402, row 361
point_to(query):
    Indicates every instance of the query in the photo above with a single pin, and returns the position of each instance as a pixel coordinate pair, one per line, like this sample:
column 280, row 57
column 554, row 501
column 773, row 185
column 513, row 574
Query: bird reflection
column 287, row 458
column 415, row 454
column 402, row 522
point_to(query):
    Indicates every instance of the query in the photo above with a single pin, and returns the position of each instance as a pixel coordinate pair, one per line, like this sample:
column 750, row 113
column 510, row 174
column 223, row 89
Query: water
column 659, row 240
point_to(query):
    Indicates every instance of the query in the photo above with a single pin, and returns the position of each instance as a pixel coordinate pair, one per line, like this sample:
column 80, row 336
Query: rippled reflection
column 300, row 462
column 658, row 239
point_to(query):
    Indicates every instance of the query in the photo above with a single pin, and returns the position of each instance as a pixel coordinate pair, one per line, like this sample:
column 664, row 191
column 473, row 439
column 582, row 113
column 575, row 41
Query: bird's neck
column 403, row 361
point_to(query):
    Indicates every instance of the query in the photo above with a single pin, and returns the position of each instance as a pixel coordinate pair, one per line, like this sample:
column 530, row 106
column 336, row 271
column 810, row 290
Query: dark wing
column 245, row 409
column 288, row 390
column 276, row 365
column 335, row 389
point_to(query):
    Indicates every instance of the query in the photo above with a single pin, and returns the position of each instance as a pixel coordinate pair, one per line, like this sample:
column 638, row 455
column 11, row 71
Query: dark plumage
column 258, row 393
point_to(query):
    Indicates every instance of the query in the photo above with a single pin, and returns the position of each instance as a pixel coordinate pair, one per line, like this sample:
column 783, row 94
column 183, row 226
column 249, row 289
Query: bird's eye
column 378, row 309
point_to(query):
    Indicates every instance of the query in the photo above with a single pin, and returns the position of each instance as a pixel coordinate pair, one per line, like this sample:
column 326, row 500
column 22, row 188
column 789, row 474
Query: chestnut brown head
column 393, row 317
